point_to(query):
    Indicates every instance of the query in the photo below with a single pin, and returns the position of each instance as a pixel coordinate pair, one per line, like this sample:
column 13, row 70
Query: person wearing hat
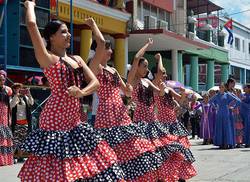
column 20, row 105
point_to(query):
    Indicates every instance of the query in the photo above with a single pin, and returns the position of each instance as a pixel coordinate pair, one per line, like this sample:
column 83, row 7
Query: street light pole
column 71, row 27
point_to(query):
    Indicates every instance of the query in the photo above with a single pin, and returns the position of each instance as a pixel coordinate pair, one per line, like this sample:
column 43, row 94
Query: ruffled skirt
column 149, row 152
column 68, row 156
column 6, row 146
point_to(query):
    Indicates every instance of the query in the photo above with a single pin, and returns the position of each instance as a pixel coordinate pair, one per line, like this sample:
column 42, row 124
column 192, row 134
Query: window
column 237, row 43
column 236, row 73
column 139, row 10
column 24, row 36
column 248, row 48
column 146, row 9
column 243, row 45
column 22, row 15
column 217, row 74
column 247, row 76
column 153, row 11
column 162, row 15
column 180, row 3
column 27, row 57
column 42, row 3
column 42, row 16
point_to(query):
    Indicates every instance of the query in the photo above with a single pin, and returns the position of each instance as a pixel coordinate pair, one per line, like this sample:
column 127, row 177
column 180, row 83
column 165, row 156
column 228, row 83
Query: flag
column 229, row 27
column 229, row 24
column 53, row 4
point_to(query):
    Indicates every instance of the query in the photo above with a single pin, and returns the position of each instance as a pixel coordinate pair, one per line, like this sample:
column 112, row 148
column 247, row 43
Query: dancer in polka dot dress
column 64, row 148
column 112, row 119
column 160, row 135
column 137, row 155
column 6, row 143
column 166, row 106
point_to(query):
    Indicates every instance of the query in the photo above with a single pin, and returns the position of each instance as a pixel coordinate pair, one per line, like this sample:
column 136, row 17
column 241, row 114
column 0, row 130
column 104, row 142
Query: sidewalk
column 212, row 164
column 215, row 165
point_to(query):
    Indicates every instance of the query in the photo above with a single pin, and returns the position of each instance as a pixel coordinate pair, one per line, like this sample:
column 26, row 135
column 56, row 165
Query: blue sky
column 234, row 6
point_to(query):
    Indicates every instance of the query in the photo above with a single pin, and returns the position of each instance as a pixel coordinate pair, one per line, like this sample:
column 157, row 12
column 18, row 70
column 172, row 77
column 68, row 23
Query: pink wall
column 164, row 4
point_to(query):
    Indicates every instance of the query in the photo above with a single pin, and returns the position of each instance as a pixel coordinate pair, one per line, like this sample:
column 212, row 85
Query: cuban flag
column 229, row 27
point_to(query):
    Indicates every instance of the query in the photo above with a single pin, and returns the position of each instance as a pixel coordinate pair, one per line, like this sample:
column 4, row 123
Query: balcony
column 203, row 22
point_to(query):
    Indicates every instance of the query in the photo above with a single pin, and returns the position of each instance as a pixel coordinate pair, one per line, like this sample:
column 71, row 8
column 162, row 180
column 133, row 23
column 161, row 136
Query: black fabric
column 79, row 141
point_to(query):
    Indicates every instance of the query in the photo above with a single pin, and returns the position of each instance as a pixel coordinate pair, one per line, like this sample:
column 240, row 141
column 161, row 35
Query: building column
column 243, row 76
column 120, row 54
column 224, row 72
column 175, row 65
column 180, row 67
column 194, row 72
column 187, row 70
column 85, row 42
column 210, row 74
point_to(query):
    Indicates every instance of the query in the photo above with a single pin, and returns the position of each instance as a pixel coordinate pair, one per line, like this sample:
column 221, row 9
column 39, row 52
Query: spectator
column 195, row 116
column 21, row 117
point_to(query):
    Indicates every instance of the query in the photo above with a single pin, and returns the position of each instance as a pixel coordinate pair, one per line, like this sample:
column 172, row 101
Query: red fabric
column 143, row 112
column 22, row 122
column 53, row 3
column 111, row 111
column 163, row 4
column 229, row 24
column 6, row 159
column 50, row 168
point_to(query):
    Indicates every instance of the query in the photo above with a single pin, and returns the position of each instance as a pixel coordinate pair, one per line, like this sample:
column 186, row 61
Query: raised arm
column 96, row 61
column 139, row 54
column 159, row 63
column 43, row 57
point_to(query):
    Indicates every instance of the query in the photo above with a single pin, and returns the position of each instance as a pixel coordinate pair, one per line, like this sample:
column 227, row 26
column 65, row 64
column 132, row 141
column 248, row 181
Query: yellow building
column 112, row 23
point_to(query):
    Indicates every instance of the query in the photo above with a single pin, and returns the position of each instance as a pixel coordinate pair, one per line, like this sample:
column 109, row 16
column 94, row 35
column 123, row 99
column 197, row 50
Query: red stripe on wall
column 163, row 4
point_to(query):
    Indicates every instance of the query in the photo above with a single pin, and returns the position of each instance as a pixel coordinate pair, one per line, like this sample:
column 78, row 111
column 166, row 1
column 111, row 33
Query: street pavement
column 212, row 164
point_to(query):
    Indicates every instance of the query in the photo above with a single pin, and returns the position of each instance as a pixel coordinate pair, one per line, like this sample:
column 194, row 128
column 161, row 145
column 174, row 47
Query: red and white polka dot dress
column 166, row 114
column 134, row 151
column 110, row 107
column 6, row 143
column 144, row 100
column 64, row 148
column 178, row 163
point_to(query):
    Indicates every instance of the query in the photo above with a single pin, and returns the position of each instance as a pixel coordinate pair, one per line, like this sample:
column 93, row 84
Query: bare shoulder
column 8, row 90
column 80, row 60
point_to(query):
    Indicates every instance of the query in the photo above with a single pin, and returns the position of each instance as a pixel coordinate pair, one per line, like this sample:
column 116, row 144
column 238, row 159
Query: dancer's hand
column 27, row 3
column 150, row 41
column 157, row 56
column 90, row 22
column 74, row 91
column 129, row 89
column 162, row 85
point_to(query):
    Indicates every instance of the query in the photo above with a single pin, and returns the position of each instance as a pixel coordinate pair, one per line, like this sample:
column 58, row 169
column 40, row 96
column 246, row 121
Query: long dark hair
column 229, row 80
column 50, row 29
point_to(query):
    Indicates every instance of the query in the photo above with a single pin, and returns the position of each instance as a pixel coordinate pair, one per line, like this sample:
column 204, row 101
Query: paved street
column 213, row 165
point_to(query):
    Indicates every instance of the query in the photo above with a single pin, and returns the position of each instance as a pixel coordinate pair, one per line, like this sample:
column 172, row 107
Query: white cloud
column 236, row 6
